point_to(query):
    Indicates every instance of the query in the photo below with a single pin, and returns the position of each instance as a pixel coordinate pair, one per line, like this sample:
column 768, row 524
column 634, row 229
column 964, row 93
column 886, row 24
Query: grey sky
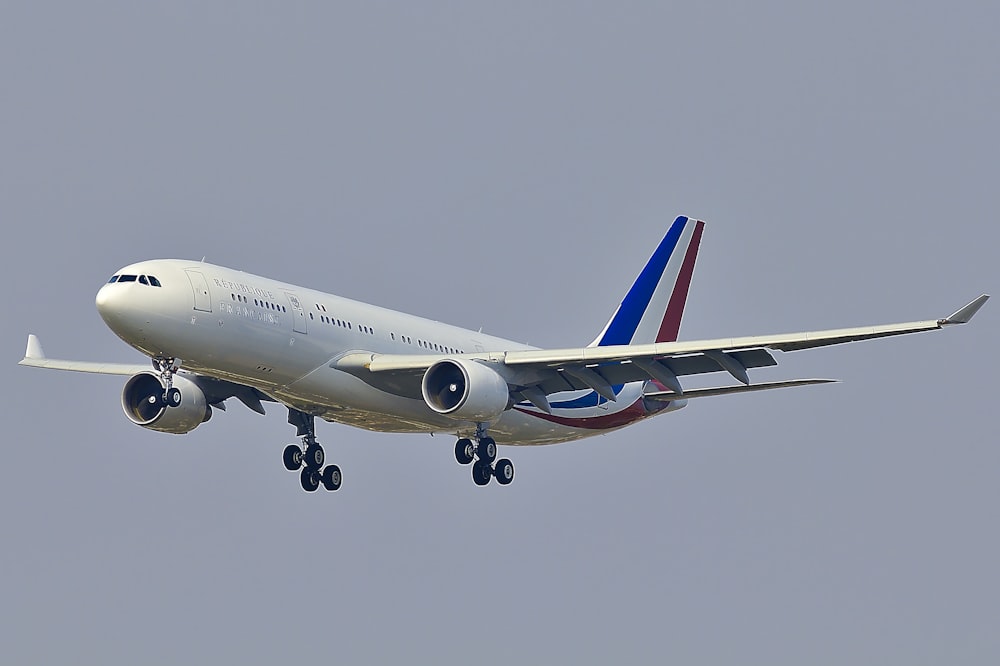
column 512, row 167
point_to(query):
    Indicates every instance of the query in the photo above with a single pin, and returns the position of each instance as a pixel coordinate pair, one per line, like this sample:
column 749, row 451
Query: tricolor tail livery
column 652, row 309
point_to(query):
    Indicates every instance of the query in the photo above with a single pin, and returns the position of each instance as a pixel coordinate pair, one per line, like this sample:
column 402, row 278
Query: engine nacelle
column 139, row 400
column 465, row 390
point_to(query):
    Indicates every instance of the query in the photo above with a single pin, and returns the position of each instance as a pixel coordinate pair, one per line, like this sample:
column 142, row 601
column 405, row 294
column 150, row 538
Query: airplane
column 323, row 356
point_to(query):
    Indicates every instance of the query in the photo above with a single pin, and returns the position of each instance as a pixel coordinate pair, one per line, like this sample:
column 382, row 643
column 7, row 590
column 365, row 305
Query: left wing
column 547, row 371
column 35, row 357
column 216, row 391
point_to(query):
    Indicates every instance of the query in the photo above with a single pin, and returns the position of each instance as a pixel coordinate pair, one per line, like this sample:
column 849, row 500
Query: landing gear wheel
column 481, row 473
column 292, row 457
column 174, row 397
column 487, row 450
column 464, row 451
column 504, row 471
column 309, row 479
column 314, row 457
column 332, row 478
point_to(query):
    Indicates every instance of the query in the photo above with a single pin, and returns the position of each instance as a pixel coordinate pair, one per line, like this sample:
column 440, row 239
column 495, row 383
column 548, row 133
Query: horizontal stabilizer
column 668, row 396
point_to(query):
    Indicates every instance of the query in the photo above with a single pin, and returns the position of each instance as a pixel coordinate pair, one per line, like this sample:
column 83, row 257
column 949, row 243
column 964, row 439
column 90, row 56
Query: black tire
column 292, row 457
column 487, row 450
column 309, row 480
column 315, row 457
column 464, row 451
column 174, row 397
column 332, row 478
column 481, row 473
column 504, row 471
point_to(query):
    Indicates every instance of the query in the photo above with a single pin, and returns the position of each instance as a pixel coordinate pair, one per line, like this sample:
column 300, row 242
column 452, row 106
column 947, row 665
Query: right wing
column 540, row 372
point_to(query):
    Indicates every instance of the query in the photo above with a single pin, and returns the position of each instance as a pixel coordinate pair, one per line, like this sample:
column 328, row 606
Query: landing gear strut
column 309, row 456
column 166, row 367
column 482, row 455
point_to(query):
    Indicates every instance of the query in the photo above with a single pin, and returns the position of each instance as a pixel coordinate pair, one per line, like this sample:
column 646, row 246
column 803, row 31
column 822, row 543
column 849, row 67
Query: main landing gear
column 166, row 367
column 482, row 453
column 309, row 456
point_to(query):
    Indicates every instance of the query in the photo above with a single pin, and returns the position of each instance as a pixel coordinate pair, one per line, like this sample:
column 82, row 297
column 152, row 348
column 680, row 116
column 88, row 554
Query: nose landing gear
column 166, row 366
column 309, row 456
column 482, row 455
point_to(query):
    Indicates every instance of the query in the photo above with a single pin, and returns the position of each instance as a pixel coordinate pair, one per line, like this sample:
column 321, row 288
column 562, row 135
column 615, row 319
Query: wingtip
column 965, row 314
column 34, row 349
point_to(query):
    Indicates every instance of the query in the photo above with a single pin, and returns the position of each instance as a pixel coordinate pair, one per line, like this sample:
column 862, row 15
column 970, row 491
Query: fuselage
column 283, row 339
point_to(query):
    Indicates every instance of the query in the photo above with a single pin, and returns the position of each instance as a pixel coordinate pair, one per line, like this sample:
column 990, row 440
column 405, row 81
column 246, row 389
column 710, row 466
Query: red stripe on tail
column 671, row 325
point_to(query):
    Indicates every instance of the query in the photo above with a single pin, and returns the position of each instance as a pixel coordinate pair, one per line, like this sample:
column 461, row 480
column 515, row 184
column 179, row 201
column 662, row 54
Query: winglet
column 34, row 349
column 967, row 313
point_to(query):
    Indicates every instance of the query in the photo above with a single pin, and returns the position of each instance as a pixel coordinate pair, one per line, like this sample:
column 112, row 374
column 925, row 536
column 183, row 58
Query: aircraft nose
column 109, row 304
column 103, row 300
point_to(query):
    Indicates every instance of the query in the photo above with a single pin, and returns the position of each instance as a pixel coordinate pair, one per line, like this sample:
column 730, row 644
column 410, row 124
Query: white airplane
column 260, row 340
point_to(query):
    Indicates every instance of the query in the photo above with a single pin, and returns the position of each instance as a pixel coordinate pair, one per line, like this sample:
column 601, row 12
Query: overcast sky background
column 511, row 166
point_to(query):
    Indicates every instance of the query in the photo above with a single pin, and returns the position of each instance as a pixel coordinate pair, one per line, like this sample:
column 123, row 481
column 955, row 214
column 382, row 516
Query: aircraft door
column 202, row 299
column 298, row 313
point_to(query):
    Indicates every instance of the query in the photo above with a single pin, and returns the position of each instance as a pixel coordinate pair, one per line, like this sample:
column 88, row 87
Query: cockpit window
column 114, row 278
column 153, row 281
column 127, row 278
column 143, row 280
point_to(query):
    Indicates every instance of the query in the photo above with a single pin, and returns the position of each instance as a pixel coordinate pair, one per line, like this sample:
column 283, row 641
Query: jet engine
column 465, row 390
column 144, row 406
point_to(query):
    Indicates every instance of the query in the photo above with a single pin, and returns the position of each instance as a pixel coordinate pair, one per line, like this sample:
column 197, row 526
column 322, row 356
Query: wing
column 35, row 357
column 533, row 374
column 217, row 391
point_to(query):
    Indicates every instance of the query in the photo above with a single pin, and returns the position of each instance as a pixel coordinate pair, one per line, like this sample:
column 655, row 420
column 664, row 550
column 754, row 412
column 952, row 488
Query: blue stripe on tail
column 626, row 321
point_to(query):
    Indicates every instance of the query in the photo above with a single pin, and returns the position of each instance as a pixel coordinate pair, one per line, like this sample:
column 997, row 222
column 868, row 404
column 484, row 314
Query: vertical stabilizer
column 652, row 309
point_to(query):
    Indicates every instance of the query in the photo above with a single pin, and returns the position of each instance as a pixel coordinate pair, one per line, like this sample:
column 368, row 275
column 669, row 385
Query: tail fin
column 651, row 310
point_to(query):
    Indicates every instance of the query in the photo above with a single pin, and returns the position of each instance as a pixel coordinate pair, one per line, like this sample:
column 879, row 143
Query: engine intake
column 465, row 390
column 141, row 406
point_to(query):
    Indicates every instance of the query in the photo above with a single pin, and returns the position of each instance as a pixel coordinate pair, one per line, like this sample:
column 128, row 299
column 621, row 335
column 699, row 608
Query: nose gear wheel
column 166, row 366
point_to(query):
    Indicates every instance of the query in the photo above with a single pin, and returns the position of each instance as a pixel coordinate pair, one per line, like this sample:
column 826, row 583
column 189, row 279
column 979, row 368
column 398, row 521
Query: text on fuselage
column 250, row 313
column 245, row 288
